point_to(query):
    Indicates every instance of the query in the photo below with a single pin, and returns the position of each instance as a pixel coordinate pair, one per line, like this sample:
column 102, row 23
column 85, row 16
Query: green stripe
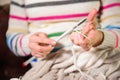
column 55, row 34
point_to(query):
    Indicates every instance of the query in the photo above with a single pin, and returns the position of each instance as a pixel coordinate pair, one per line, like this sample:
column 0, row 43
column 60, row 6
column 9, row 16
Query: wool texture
column 54, row 17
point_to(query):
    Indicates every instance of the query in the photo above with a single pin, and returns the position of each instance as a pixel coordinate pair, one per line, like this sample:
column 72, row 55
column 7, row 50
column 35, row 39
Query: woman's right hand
column 40, row 44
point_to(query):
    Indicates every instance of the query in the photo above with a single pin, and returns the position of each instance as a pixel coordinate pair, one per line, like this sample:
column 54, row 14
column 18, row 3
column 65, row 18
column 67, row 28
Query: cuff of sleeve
column 109, row 40
column 25, row 42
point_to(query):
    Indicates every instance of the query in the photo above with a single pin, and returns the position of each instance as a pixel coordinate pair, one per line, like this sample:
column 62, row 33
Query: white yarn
column 75, row 61
column 75, row 64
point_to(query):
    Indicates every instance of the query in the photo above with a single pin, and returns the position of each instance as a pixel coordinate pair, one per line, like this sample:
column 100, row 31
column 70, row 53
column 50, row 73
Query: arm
column 110, row 23
column 19, row 40
column 17, row 33
column 101, row 39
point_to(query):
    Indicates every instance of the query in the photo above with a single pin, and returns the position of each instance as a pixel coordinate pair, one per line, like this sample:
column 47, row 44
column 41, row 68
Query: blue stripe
column 110, row 27
column 16, row 49
column 11, row 41
column 7, row 40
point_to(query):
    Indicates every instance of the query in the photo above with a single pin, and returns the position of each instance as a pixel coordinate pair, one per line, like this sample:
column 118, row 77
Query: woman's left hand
column 93, row 37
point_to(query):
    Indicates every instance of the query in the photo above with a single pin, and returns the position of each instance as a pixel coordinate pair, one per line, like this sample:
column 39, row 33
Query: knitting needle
column 24, row 64
column 64, row 34
column 70, row 30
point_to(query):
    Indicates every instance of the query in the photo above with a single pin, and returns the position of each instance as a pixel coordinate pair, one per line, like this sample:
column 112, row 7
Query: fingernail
column 53, row 42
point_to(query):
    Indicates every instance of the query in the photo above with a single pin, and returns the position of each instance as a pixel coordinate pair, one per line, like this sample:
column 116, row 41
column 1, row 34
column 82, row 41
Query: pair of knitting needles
column 63, row 35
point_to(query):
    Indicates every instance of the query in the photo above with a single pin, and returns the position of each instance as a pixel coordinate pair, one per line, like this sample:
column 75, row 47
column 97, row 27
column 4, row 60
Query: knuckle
column 42, row 34
column 30, row 45
column 31, row 38
column 33, row 53
column 38, row 48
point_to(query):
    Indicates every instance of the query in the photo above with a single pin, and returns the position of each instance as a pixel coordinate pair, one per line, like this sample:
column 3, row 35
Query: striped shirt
column 56, row 16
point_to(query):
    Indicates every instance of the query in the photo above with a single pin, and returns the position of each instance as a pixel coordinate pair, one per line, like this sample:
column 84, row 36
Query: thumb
column 92, row 15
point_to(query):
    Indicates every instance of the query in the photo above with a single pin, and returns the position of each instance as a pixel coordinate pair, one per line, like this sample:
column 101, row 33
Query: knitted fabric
column 28, row 17
column 94, row 64
column 53, row 17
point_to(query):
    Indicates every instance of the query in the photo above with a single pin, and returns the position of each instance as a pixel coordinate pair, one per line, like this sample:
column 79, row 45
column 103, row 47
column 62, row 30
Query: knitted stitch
column 23, row 20
column 57, row 16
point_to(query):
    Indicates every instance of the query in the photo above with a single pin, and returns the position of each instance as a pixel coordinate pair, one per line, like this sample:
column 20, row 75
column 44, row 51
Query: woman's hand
column 94, row 36
column 40, row 44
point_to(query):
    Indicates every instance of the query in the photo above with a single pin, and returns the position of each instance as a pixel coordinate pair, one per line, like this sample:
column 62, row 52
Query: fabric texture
column 55, row 17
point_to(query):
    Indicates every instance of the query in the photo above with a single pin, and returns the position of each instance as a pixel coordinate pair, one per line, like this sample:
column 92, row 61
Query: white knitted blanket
column 91, row 65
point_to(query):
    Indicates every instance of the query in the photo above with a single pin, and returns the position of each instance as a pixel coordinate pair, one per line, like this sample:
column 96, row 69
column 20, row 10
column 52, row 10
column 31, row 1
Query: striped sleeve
column 110, row 22
column 16, row 35
column 110, row 12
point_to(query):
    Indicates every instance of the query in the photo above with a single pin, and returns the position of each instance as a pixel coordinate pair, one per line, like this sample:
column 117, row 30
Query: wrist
column 101, row 38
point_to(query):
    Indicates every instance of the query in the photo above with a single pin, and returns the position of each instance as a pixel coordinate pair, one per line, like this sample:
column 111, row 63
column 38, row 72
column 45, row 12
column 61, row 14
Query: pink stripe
column 111, row 5
column 21, row 45
column 117, row 39
column 50, row 17
column 18, row 17
column 60, row 17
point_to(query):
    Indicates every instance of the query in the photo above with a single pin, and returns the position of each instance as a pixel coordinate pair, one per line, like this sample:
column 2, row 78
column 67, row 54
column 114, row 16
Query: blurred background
column 10, row 65
column 2, row 2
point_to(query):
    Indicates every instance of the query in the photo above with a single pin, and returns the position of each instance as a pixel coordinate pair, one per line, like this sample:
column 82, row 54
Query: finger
column 86, row 48
column 41, row 34
column 72, row 36
column 92, row 26
column 36, row 54
column 85, row 43
column 39, row 48
column 41, row 53
column 75, row 37
column 52, row 42
column 87, row 28
column 92, row 15
column 42, row 40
